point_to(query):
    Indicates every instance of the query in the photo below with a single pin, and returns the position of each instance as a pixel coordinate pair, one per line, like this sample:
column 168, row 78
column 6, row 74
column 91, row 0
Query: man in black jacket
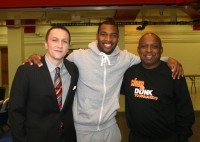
column 35, row 115
column 158, row 108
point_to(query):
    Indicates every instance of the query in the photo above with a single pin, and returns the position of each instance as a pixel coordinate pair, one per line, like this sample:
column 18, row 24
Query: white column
column 15, row 51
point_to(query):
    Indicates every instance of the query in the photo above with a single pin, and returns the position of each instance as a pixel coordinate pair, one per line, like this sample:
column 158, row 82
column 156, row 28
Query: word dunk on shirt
column 140, row 91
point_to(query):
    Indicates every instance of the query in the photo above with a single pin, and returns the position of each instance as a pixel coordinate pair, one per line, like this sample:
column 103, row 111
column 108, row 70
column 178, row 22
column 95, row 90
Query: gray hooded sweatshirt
column 100, row 76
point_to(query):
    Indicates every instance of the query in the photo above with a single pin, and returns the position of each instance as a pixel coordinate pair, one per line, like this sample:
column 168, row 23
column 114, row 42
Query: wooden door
column 4, row 63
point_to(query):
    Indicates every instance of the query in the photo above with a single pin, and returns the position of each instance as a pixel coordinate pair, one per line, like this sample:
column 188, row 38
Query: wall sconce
column 144, row 24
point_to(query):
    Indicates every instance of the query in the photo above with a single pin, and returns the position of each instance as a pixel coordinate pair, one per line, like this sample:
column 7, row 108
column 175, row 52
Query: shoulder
column 126, row 53
column 27, row 67
column 134, row 59
column 70, row 65
column 133, row 69
column 164, row 66
column 26, row 71
column 79, row 51
column 32, row 68
column 76, row 54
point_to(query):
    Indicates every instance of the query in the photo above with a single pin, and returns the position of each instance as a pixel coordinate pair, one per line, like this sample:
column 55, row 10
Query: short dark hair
column 108, row 22
column 57, row 27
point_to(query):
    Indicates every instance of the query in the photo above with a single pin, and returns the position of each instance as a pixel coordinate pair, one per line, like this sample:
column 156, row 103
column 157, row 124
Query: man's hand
column 34, row 58
column 176, row 68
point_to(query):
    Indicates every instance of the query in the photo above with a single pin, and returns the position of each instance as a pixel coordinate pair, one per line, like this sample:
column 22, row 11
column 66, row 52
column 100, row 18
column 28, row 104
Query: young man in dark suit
column 35, row 115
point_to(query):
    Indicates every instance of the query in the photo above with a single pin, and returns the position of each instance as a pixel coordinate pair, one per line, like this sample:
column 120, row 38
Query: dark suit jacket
column 34, row 112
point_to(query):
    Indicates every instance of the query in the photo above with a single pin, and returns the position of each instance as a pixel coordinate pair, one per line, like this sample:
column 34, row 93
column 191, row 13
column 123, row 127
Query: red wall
column 52, row 3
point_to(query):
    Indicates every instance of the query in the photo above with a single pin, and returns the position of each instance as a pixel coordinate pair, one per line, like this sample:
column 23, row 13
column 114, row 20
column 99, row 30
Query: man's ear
column 161, row 50
column 138, row 49
column 96, row 36
column 45, row 45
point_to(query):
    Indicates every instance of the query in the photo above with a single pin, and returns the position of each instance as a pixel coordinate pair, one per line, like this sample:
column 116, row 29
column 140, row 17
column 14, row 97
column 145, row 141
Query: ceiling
column 118, row 13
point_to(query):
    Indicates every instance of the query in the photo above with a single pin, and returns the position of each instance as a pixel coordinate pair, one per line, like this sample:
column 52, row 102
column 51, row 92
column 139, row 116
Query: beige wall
column 179, row 42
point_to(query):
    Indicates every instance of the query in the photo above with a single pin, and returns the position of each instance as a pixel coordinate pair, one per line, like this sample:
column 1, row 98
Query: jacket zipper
column 104, row 94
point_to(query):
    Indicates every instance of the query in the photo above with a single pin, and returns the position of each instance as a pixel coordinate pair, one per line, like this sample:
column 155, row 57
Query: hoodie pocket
column 87, row 110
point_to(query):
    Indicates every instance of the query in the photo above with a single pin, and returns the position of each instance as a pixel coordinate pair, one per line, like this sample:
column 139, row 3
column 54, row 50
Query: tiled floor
column 125, row 131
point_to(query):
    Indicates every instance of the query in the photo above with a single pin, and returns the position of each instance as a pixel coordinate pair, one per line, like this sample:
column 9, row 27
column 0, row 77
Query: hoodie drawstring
column 104, row 58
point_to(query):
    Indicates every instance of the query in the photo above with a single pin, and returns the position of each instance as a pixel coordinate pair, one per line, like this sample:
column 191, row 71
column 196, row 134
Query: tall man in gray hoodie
column 101, row 69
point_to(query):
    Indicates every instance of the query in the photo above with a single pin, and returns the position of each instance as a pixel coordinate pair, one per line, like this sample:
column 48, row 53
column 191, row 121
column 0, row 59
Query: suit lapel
column 72, row 83
column 45, row 73
column 47, row 77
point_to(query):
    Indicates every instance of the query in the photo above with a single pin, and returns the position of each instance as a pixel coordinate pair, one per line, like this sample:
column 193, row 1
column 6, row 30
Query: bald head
column 149, row 35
